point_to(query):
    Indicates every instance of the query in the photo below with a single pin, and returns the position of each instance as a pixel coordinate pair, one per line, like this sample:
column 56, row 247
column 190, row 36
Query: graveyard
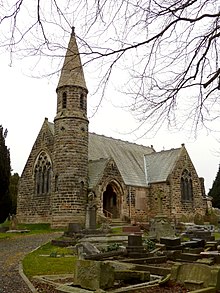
column 161, row 259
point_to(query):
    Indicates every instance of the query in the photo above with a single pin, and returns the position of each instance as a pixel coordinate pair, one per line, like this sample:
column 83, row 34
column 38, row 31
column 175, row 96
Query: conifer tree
column 215, row 191
column 5, row 173
column 13, row 189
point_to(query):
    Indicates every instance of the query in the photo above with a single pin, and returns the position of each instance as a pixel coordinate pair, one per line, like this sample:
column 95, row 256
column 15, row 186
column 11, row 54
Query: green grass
column 37, row 264
column 217, row 235
column 117, row 230
column 36, row 228
column 32, row 228
column 8, row 235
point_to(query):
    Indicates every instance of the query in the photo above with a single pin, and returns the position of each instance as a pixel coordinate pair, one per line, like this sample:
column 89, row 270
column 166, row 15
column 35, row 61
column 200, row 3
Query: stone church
column 68, row 166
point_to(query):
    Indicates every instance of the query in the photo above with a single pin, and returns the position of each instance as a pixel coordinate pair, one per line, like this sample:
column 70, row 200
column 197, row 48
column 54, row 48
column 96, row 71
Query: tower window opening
column 81, row 188
column 64, row 100
column 82, row 101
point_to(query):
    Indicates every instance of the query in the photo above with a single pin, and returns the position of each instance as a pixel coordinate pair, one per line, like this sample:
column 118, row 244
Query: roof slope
column 129, row 157
column 139, row 165
column 72, row 71
column 96, row 170
column 160, row 165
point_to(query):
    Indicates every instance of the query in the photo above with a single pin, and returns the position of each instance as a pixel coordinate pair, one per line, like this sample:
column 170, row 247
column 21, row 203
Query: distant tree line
column 215, row 191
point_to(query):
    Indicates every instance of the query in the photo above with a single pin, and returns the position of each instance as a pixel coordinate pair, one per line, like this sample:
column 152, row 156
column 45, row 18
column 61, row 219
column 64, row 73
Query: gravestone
column 91, row 212
column 196, row 276
column 93, row 275
column 135, row 246
column 14, row 222
column 74, row 228
column 86, row 248
column 161, row 226
column 172, row 243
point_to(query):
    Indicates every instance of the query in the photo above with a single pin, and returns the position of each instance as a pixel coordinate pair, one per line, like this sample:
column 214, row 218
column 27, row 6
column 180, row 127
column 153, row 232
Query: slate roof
column 129, row 157
column 138, row 165
column 159, row 165
column 96, row 169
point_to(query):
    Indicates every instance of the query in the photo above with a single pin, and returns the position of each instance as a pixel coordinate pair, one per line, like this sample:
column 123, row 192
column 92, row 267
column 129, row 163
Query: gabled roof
column 160, row 165
column 129, row 157
column 138, row 165
column 96, row 170
column 72, row 71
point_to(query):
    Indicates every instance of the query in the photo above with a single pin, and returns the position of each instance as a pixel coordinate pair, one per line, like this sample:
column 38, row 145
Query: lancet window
column 186, row 186
column 42, row 174
column 64, row 100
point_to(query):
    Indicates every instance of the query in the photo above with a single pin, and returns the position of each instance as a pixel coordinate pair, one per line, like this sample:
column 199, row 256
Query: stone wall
column 33, row 208
column 70, row 178
column 179, row 207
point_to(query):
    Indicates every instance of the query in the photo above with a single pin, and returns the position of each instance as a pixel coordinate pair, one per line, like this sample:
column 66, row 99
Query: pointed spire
column 72, row 71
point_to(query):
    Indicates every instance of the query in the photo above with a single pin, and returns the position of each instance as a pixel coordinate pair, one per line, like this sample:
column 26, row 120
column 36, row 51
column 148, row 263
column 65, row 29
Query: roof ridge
column 125, row 141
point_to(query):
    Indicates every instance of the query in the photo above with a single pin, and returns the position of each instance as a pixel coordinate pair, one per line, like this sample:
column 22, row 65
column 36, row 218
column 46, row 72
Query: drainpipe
column 129, row 197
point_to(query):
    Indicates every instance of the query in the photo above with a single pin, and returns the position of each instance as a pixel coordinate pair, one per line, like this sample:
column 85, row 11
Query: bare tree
column 167, row 52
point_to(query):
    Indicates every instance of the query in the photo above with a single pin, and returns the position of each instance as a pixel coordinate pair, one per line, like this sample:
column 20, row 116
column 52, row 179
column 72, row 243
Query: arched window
column 42, row 174
column 186, row 186
column 64, row 100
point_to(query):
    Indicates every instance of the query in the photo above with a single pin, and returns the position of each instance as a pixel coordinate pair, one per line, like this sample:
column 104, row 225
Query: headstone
column 91, row 212
column 193, row 244
column 172, row 243
column 93, row 275
column 128, row 275
column 86, row 248
column 135, row 246
column 14, row 222
column 160, row 226
column 196, row 276
column 74, row 228
column 189, row 257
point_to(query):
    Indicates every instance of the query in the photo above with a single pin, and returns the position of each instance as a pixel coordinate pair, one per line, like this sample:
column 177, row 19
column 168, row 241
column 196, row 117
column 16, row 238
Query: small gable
column 96, row 170
column 129, row 157
column 103, row 170
column 160, row 165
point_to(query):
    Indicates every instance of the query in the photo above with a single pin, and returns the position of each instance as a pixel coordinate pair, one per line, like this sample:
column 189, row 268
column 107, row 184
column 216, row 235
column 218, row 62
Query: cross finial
column 73, row 31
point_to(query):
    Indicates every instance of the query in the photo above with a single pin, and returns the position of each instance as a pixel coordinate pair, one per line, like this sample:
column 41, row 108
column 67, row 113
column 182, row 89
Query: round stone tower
column 70, row 160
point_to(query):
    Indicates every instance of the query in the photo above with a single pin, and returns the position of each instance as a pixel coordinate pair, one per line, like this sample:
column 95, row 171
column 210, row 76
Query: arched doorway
column 111, row 202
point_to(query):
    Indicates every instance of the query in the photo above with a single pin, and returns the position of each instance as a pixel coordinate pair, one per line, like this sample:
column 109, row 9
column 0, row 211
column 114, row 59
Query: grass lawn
column 49, row 260
column 32, row 229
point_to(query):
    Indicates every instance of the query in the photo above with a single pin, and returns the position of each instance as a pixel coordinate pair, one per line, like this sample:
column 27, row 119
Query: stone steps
column 118, row 222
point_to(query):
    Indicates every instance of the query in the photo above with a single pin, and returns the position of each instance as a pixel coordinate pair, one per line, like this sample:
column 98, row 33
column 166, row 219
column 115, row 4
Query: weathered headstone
column 91, row 212
column 93, row 275
column 172, row 243
column 14, row 222
column 196, row 276
column 74, row 228
column 86, row 248
column 135, row 246
column 161, row 227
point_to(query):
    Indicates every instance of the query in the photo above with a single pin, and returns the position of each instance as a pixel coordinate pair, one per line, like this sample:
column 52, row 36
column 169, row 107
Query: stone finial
column 182, row 144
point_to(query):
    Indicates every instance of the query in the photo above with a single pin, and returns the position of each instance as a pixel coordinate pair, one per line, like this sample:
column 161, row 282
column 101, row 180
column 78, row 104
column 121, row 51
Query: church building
column 68, row 166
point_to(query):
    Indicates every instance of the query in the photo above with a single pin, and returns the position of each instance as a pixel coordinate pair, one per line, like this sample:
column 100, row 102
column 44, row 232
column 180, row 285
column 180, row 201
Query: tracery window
column 186, row 186
column 42, row 174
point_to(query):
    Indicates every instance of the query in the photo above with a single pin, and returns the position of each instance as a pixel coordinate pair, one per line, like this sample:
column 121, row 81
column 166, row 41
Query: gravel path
column 11, row 253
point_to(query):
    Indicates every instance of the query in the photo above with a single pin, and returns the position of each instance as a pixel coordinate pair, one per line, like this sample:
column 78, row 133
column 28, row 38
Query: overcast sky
column 26, row 101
